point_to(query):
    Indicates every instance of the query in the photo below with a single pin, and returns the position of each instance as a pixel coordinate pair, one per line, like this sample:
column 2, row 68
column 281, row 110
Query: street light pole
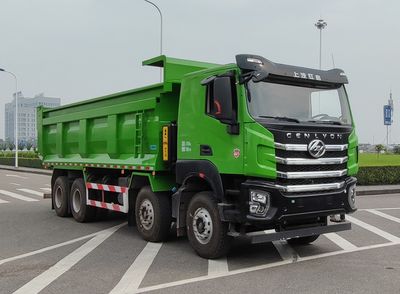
column 320, row 24
column 16, row 114
column 161, row 31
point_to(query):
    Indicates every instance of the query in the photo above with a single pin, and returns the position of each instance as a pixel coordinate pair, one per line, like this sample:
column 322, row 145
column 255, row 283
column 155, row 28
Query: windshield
column 298, row 104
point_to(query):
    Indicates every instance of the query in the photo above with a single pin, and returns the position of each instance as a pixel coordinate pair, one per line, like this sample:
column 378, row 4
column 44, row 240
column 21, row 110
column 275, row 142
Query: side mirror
column 259, row 76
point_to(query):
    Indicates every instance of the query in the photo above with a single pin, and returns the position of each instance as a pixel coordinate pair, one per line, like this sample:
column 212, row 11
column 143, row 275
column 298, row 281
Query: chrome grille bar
column 312, row 175
column 307, row 161
column 311, row 188
column 336, row 147
column 304, row 147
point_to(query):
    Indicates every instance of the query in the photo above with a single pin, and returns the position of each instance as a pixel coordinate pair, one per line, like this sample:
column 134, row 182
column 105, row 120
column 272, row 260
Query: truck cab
column 275, row 144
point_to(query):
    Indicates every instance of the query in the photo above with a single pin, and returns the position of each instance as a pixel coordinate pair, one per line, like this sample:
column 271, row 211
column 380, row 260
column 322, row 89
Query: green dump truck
column 252, row 149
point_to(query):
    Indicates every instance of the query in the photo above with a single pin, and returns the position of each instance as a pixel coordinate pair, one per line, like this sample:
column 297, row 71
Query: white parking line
column 340, row 241
column 17, row 257
column 135, row 274
column 387, row 216
column 3, row 201
column 15, row 184
column 16, row 176
column 382, row 208
column 373, row 229
column 286, row 251
column 41, row 281
column 217, row 266
column 46, row 189
column 259, row 267
column 17, row 196
column 29, row 191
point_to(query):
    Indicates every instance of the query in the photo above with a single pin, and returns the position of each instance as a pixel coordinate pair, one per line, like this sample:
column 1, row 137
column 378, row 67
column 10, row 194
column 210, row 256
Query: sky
column 81, row 49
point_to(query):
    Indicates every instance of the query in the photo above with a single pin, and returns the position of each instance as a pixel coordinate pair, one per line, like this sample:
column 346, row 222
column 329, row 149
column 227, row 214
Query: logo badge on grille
column 316, row 148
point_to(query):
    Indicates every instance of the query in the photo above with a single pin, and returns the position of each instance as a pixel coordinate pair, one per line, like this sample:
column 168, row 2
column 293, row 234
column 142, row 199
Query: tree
column 10, row 145
column 21, row 145
column 396, row 149
column 29, row 145
column 379, row 148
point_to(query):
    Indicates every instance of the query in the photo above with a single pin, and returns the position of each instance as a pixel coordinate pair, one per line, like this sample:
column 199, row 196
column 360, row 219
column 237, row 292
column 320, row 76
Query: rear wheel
column 303, row 240
column 206, row 232
column 153, row 215
column 80, row 211
column 60, row 194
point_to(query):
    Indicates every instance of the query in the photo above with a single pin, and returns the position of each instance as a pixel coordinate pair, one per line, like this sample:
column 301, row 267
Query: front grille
column 298, row 173
column 287, row 182
column 309, row 168
column 298, row 168
column 305, row 154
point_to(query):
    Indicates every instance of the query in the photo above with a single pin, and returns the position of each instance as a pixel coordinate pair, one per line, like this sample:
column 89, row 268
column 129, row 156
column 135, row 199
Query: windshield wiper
column 281, row 118
column 327, row 122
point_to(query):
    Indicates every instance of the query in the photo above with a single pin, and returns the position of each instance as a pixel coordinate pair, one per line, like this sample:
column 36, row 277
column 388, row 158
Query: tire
column 216, row 242
column 153, row 215
column 80, row 211
column 60, row 196
column 303, row 240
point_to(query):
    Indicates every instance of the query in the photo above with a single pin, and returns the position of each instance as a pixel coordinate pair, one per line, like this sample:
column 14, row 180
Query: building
column 26, row 116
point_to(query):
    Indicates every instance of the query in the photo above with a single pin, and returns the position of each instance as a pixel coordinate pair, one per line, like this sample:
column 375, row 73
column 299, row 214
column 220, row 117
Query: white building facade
column 27, row 131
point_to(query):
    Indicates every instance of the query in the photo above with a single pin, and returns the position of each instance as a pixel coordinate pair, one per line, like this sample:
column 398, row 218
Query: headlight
column 352, row 196
column 259, row 202
column 258, row 196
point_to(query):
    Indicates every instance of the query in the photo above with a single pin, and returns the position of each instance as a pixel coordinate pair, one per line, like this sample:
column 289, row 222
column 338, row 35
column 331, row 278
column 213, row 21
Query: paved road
column 40, row 252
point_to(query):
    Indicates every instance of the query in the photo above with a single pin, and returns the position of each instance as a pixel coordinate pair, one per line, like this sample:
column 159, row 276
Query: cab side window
column 221, row 100
column 211, row 106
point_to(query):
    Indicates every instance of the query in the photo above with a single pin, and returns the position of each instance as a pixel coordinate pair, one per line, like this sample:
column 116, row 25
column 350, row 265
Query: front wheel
column 206, row 232
column 303, row 240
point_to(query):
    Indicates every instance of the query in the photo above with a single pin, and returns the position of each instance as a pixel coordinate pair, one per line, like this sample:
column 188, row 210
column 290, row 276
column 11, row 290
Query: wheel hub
column 76, row 201
column 146, row 214
column 58, row 197
column 202, row 225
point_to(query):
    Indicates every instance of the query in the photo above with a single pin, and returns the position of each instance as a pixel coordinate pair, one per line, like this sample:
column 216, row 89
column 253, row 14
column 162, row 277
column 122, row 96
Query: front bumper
column 272, row 235
column 289, row 210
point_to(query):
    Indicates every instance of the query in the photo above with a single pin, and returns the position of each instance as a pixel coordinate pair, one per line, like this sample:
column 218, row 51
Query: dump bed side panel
column 117, row 131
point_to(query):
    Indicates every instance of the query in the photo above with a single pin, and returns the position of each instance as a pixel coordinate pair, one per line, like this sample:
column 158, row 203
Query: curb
column 32, row 171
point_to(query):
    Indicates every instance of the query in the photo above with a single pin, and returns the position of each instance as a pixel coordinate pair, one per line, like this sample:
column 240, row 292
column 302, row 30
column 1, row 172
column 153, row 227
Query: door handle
column 205, row 150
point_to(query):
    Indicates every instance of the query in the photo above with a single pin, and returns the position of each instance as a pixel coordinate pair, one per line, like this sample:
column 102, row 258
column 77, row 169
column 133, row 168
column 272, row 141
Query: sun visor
column 271, row 70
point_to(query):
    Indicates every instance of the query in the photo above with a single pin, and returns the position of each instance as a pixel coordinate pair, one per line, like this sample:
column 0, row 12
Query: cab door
column 208, row 126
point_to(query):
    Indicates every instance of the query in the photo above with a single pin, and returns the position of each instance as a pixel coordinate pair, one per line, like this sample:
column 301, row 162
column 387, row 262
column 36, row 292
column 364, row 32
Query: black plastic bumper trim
column 271, row 235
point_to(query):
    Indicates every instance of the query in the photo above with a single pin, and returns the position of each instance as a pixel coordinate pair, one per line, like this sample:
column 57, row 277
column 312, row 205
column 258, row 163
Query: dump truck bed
column 117, row 131
column 121, row 130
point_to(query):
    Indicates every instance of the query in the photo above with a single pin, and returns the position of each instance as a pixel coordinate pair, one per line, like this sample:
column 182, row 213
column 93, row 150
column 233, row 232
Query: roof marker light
column 254, row 60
